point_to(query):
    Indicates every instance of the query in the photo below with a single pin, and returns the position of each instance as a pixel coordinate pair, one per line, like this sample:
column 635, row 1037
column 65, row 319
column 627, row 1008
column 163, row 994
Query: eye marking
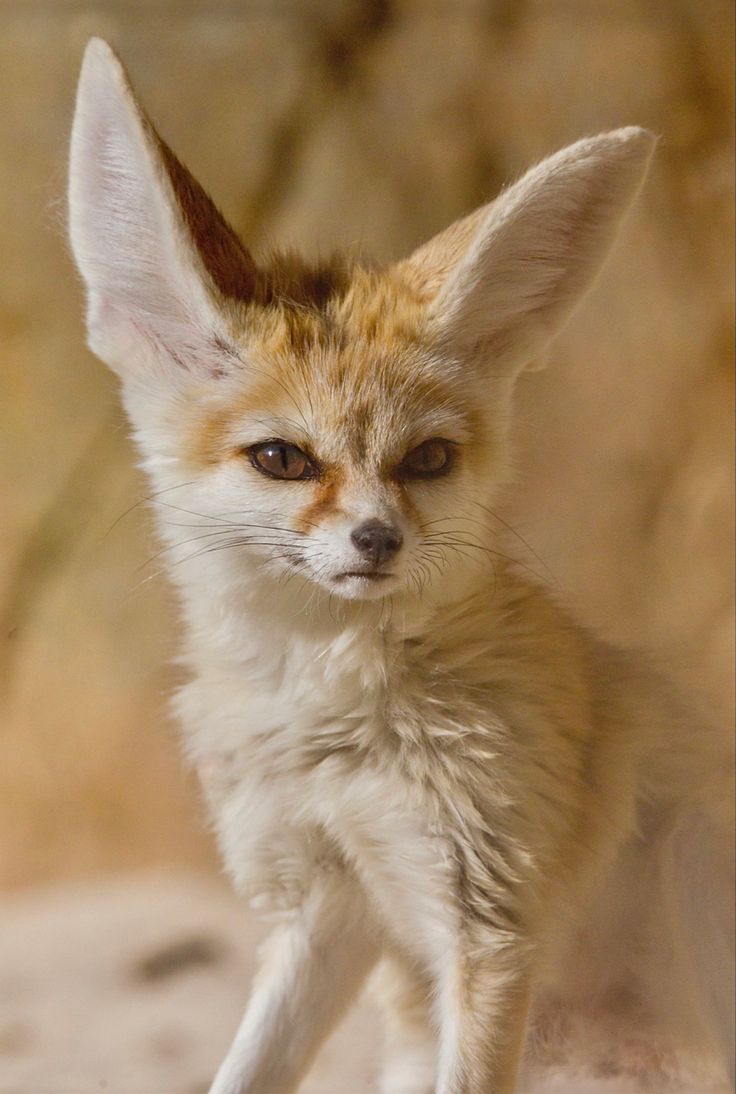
column 280, row 460
column 429, row 460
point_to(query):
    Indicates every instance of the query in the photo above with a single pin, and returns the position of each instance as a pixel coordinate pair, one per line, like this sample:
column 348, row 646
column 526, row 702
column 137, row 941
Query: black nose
column 376, row 541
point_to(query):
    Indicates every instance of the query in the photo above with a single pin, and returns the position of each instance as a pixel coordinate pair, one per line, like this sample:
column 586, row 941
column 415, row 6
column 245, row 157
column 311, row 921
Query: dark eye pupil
column 430, row 458
column 282, row 461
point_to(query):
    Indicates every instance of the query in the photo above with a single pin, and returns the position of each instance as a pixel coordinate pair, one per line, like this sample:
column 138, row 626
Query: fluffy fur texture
column 413, row 758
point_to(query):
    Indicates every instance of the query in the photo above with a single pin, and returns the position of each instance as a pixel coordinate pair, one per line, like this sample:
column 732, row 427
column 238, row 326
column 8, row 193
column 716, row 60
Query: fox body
column 413, row 758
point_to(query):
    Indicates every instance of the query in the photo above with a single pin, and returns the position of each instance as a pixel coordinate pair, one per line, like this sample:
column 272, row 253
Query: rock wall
column 368, row 124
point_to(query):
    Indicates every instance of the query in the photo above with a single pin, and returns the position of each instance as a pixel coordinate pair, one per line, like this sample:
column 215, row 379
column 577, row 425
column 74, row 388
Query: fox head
column 338, row 423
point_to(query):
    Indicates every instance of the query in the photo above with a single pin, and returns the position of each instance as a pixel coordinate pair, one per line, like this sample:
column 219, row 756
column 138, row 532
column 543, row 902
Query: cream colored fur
column 436, row 772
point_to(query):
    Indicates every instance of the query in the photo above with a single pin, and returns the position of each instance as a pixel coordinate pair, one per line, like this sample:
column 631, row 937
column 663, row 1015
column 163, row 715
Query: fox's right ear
column 156, row 256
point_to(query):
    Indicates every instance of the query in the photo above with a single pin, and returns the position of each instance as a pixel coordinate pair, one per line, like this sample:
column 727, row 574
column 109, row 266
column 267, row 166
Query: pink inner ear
column 190, row 351
column 157, row 257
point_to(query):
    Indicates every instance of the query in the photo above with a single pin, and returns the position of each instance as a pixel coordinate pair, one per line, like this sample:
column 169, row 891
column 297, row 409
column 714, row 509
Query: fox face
column 334, row 424
column 341, row 444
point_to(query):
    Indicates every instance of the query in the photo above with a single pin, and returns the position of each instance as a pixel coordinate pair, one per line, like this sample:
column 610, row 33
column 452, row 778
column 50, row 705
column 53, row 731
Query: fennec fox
column 413, row 758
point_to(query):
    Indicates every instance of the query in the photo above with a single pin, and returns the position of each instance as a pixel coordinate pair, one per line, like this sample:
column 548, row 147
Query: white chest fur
column 294, row 748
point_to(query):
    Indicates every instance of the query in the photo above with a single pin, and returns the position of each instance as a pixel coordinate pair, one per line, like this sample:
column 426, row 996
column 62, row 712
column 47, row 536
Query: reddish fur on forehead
column 353, row 359
column 348, row 316
column 302, row 307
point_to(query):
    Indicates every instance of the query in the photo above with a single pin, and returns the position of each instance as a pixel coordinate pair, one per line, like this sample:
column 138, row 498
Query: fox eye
column 428, row 460
column 281, row 460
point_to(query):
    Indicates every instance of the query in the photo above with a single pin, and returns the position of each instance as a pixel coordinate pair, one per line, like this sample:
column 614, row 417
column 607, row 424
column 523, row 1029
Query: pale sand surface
column 135, row 985
column 94, row 999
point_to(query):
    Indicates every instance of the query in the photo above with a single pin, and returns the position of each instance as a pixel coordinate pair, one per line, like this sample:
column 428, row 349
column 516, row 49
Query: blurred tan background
column 371, row 124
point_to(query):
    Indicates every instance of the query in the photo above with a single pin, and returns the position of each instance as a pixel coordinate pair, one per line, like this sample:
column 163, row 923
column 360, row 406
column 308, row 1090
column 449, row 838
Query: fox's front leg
column 312, row 968
column 403, row 994
column 475, row 985
column 463, row 931
column 483, row 996
column 472, row 956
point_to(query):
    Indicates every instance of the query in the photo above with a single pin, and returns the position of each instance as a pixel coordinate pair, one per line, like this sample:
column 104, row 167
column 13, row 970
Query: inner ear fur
column 501, row 282
column 158, row 259
column 223, row 257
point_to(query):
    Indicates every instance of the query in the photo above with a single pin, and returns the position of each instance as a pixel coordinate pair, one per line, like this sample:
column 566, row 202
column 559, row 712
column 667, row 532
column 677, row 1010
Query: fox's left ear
column 504, row 280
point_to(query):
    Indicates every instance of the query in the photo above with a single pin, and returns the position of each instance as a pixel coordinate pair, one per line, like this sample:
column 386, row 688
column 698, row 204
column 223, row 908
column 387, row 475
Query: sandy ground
column 135, row 986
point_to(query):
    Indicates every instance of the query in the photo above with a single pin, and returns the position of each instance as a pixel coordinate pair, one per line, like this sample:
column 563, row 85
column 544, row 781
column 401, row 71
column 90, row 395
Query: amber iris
column 427, row 461
column 281, row 460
